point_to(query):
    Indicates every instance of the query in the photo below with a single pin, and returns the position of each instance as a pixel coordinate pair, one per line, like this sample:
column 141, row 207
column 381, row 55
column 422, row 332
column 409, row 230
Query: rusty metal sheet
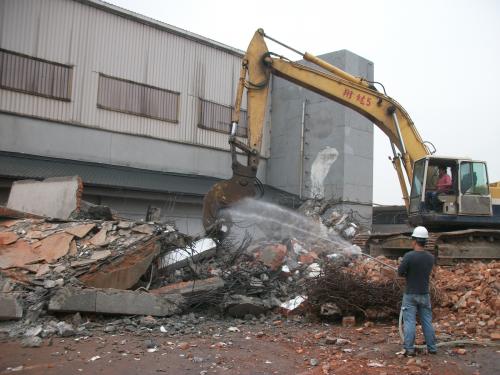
column 126, row 271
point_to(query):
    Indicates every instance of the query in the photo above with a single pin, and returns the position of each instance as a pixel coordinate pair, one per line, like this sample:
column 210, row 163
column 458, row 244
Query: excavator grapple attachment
column 222, row 195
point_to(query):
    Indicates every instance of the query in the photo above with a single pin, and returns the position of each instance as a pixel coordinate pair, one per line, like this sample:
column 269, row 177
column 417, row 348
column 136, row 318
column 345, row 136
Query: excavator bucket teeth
column 223, row 195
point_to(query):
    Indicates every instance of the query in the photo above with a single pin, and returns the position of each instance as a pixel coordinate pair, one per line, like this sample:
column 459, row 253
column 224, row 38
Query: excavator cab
column 464, row 199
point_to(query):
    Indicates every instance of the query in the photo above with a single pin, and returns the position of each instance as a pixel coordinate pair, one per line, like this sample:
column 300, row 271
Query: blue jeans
column 421, row 303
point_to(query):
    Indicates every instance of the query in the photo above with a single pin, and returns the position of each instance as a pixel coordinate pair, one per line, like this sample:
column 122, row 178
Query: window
column 138, row 99
column 217, row 117
column 417, row 185
column 34, row 76
column 473, row 178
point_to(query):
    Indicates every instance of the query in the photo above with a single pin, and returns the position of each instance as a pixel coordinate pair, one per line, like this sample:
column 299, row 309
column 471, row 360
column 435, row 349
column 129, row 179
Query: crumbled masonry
column 120, row 267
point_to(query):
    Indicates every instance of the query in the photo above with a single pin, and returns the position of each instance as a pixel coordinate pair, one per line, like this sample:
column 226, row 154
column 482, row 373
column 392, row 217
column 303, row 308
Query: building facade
column 138, row 108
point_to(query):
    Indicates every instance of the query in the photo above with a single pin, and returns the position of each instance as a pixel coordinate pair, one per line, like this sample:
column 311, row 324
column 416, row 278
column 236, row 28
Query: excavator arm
column 326, row 80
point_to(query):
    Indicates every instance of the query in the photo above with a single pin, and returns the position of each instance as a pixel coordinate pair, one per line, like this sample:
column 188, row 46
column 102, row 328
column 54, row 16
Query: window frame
column 35, row 93
column 473, row 186
column 142, row 103
column 243, row 113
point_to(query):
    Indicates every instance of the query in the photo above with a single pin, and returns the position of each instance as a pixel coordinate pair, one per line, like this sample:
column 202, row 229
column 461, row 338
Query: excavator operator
column 443, row 186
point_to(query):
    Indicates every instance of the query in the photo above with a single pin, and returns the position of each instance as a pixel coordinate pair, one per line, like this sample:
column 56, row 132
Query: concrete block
column 113, row 301
column 238, row 305
column 56, row 197
column 69, row 300
column 136, row 303
column 10, row 307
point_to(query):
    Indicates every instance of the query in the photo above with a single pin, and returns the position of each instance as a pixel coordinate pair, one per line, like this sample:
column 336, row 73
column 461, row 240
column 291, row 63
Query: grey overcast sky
column 439, row 58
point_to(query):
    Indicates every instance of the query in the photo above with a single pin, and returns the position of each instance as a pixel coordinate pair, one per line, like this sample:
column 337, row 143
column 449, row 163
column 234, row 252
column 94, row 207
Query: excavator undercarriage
column 447, row 247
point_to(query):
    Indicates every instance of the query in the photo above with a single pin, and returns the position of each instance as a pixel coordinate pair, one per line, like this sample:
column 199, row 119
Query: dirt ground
column 242, row 347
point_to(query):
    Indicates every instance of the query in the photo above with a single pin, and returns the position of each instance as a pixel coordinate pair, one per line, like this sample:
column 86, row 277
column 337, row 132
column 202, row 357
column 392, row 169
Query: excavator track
column 448, row 247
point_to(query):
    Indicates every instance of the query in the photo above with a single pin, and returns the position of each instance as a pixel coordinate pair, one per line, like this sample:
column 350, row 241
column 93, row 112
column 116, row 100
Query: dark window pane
column 125, row 96
column 217, row 117
column 34, row 76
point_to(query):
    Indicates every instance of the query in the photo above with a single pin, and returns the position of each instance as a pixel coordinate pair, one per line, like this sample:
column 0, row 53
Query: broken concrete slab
column 137, row 303
column 44, row 268
column 112, row 301
column 202, row 249
column 80, row 231
column 124, row 272
column 71, row 300
column 6, row 238
column 10, row 307
column 80, row 263
column 57, row 197
column 7, row 223
column 188, row 288
column 101, row 254
column 144, row 228
column 100, row 238
column 18, row 254
column 73, row 249
column 239, row 305
column 55, row 246
column 272, row 255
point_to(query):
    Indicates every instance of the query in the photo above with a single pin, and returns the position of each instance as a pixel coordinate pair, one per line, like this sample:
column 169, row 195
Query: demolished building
column 86, row 118
column 284, row 263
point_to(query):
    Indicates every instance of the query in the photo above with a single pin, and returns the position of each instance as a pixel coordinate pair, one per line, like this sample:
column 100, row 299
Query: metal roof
column 159, row 25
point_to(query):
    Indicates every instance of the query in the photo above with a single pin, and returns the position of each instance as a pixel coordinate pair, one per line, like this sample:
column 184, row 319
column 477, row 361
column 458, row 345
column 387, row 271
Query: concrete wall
column 186, row 216
column 45, row 138
column 337, row 158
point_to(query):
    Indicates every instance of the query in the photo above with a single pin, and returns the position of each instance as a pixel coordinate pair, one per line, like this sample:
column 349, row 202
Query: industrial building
column 141, row 109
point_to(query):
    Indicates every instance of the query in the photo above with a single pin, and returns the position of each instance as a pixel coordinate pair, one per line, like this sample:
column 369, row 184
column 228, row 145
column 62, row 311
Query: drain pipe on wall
column 302, row 129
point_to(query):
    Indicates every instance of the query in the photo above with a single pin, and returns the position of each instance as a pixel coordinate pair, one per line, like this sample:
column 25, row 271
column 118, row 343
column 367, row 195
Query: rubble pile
column 465, row 296
column 345, row 224
column 39, row 257
column 350, row 291
column 296, row 263
column 249, row 279
column 469, row 299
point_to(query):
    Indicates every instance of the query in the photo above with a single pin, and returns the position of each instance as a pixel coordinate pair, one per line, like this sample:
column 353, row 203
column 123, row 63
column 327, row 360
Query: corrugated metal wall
column 93, row 42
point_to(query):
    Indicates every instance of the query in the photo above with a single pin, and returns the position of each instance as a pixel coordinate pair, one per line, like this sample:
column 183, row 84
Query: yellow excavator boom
column 326, row 80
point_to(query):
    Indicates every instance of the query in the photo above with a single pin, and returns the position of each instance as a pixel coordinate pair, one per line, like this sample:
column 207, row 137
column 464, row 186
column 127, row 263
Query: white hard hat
column 420, row 232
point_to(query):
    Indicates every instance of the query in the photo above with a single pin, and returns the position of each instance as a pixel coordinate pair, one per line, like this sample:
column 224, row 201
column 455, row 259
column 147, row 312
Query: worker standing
column 416, row 267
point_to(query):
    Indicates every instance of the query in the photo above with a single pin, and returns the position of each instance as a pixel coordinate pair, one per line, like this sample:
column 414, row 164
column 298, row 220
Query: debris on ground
column 67, row 277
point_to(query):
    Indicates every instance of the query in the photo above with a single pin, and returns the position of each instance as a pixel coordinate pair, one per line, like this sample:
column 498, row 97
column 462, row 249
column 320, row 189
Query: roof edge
column 128, row 14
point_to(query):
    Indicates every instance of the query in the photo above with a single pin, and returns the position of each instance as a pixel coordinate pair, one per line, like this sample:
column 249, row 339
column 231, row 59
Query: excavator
column 464, row 220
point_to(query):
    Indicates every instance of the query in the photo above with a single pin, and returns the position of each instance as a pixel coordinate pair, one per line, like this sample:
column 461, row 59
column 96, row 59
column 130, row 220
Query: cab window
column 473, row 178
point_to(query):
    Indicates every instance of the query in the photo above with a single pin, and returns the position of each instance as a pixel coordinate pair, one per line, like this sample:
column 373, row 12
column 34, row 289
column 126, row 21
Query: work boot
column 409, row 353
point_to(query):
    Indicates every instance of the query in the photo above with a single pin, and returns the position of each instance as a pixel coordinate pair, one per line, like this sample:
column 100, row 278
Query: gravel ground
column 197, row 344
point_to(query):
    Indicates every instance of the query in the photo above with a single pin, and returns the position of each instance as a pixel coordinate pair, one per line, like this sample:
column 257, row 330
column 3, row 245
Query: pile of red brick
column 467, row 295
column 469, row 299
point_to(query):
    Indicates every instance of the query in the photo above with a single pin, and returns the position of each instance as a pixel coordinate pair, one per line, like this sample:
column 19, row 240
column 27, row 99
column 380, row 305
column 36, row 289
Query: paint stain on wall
column 320, row 168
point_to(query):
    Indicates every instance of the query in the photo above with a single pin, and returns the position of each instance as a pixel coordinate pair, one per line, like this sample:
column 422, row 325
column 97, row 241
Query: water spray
column 258, row 211
column 380, row 262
